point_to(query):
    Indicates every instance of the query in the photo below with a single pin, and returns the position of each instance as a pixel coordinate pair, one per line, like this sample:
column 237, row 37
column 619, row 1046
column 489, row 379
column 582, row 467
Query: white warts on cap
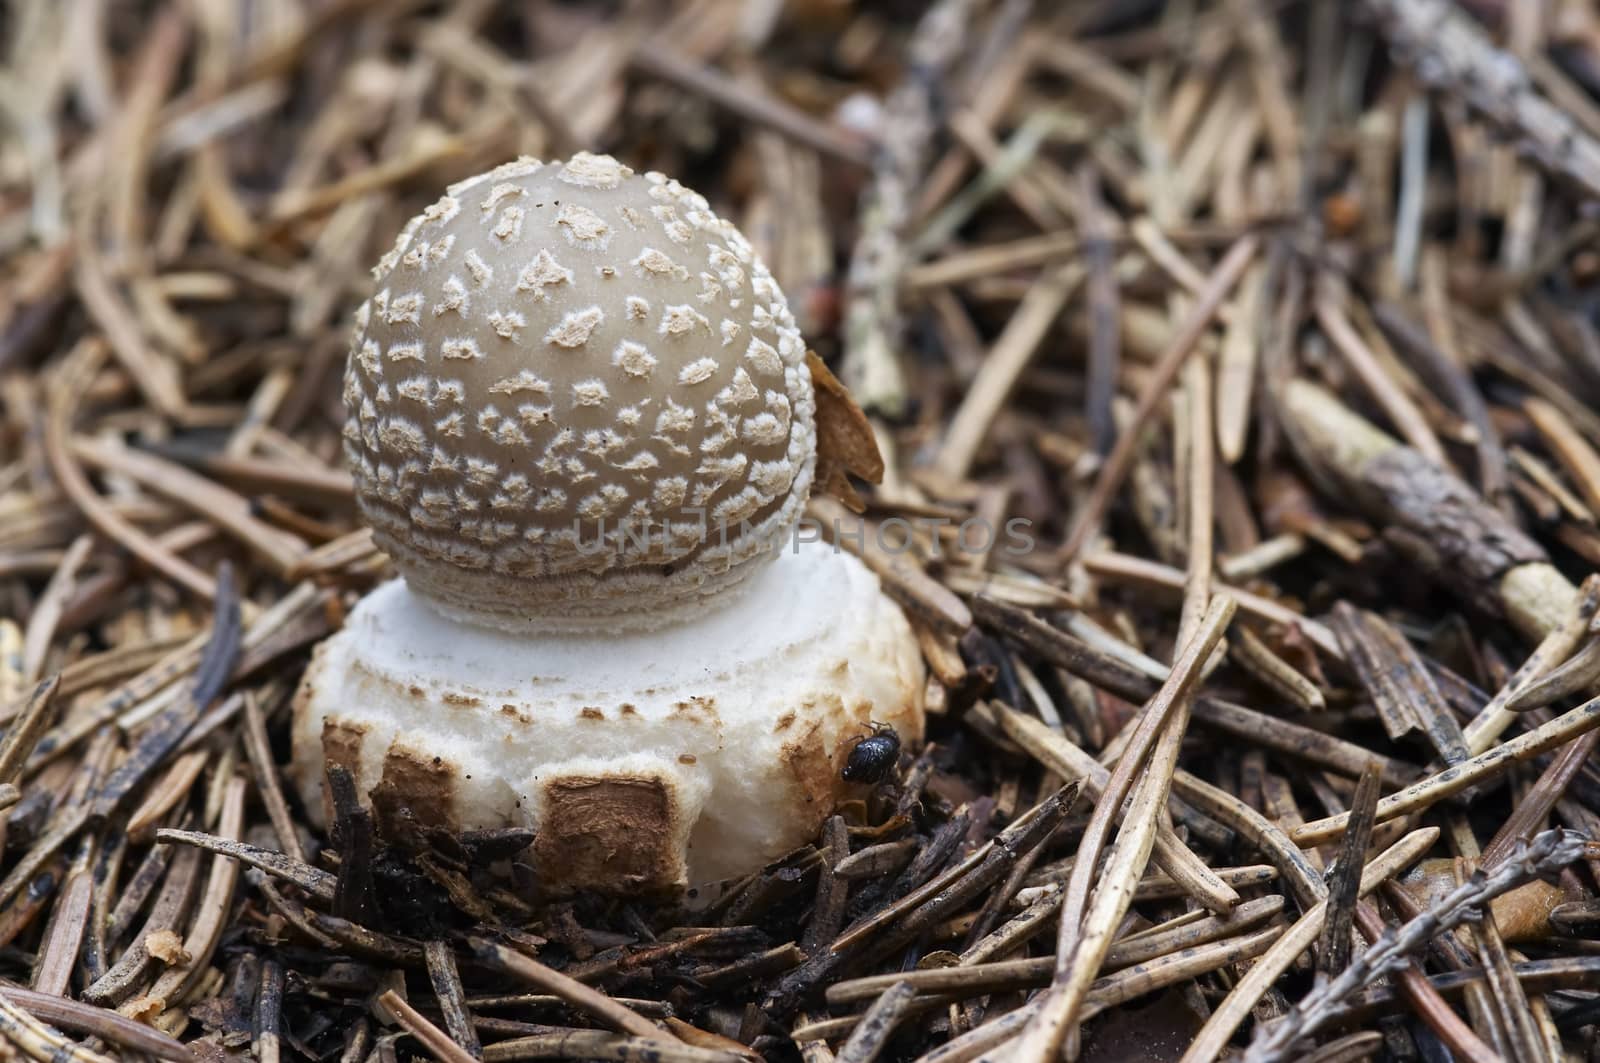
column 613, row 308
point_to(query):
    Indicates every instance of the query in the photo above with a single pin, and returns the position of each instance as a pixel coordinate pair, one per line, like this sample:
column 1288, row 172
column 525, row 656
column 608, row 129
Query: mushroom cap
column 577, row 401
column 644, row 761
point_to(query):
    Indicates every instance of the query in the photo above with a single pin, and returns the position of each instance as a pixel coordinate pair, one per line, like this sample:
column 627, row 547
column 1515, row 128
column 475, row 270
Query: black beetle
column 871, row 757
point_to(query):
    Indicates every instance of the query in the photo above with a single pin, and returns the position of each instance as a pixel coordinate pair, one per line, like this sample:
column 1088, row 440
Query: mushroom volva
column 581, row 422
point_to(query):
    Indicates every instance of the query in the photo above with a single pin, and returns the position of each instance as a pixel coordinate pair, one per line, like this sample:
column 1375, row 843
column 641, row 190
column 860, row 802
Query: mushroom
column 582, row 425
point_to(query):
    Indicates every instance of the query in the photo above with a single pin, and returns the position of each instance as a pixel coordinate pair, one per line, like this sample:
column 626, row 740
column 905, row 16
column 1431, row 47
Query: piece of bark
column 1451, row 54
column 1471, row 546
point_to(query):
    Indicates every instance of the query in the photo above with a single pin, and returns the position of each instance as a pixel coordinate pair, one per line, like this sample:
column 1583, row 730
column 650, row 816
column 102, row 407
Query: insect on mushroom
column 582, row 423
column 873, row 756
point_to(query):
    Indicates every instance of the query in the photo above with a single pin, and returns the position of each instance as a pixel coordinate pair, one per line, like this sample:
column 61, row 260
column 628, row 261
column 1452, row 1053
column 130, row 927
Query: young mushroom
column 582, row 424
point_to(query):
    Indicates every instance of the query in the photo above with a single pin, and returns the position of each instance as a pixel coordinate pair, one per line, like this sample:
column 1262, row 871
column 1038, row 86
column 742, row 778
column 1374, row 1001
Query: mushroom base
column 645, row 762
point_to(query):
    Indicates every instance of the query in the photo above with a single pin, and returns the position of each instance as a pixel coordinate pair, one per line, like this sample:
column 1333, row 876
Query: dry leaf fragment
column 167, row 947
column 144, row 1009
column 845, row 444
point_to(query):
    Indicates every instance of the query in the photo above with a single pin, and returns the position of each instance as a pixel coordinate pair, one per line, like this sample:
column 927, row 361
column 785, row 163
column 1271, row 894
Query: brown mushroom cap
column 577, row 400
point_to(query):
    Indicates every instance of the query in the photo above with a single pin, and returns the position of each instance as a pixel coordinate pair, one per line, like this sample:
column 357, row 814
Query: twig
column 38, row 1041
column 1003, row 365
column 1086, row 926
column 26, row 729
column 1445, row 374
column 1333, row 949
column 1214, row 1035
column 1435, row 788
column 318, row 883
column 754, row 106
column 877, row 1025
column 212, row 917
column 259, row 751
column 82, row 366
column 1054, row 750
column 268, row 1017
column 1548, row 853
column 1298, row 741
column 1397, row 681
column 1066, row 651
column 1123, row 568
column 1105, row 331
column 580, row 996
column 1183, row 342
column 1483, row 554
column 924, row 906
column 447, row 989
column 1574, row 675
column 51, row 604
column 58, row 954
column 592, row 1044
column 1451, row 54
column 1112, row 990
column 1563, row 635
column 1329, row 303
column 981, row 978
column 1458, row 1035
column 872, row 323
column 165, row 735
column 166, row 915
column 209, row 500
column 98, row 1022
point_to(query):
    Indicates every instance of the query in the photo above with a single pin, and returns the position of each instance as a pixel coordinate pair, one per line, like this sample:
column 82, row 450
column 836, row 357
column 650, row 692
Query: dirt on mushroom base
column 801, row 665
